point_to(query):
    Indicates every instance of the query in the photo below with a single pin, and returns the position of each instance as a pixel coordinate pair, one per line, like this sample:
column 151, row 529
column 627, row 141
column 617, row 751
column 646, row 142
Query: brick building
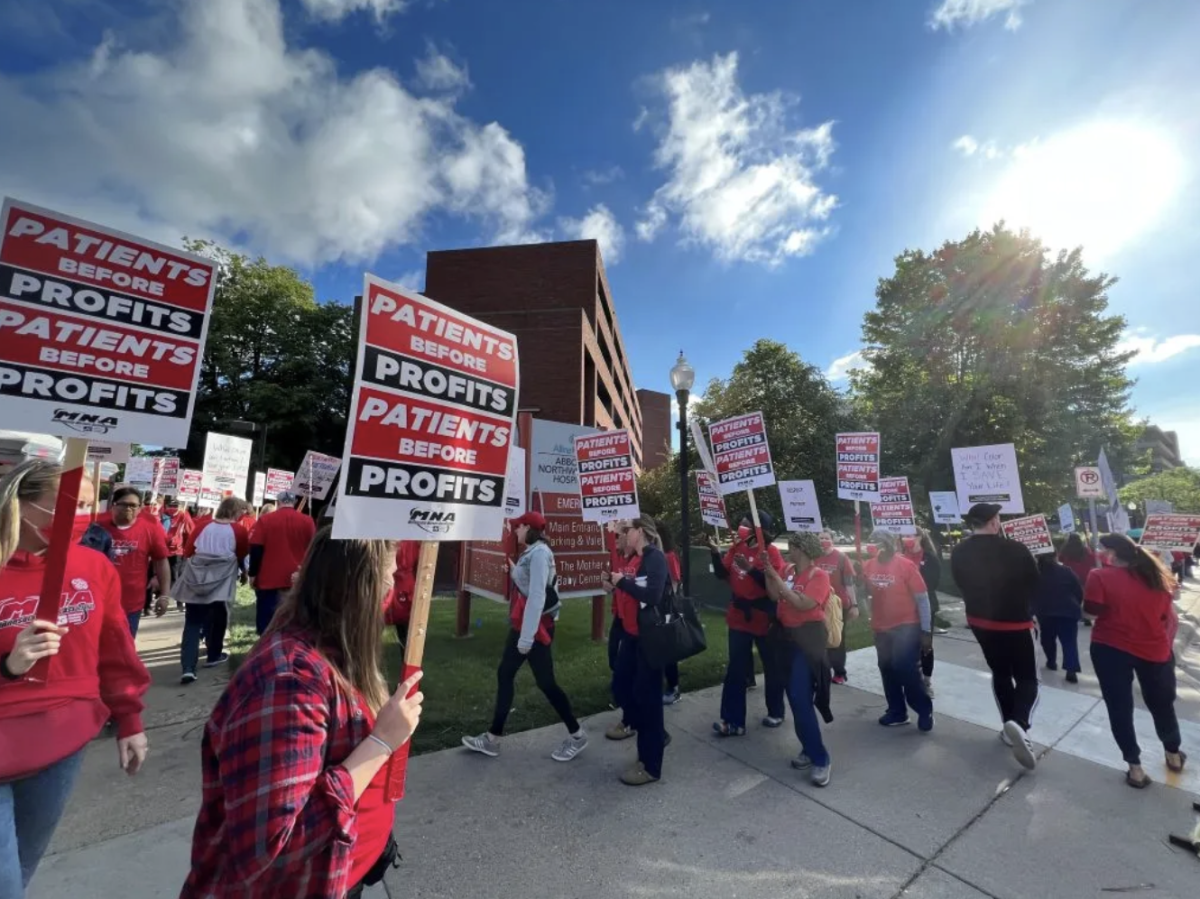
column 555, row 298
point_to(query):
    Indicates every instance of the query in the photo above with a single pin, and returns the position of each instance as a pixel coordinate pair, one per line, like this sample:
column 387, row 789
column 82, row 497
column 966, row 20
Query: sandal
column 725, row 729
column 1176, row 769
column 1135, row 783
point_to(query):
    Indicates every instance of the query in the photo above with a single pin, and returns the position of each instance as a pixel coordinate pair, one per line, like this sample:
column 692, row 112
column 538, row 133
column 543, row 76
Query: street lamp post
column 683, row 376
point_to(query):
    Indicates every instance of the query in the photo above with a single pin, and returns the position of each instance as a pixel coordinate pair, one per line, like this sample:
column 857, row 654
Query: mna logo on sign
column 432, row 522
column 85, row 422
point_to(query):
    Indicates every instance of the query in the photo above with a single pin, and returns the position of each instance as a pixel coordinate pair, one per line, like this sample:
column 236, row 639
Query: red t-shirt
column 375, row 816
column 181, row 528
column 1135, row 618
column 673, row 567
column 894, row 586
column 284, row 536
column 813, row 583
column 134, row 548
column 1081, row 567
column 835, row 564
column 744, row 586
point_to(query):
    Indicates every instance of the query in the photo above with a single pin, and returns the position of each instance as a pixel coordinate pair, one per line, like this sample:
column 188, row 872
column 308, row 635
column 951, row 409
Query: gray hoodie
column 534, row 572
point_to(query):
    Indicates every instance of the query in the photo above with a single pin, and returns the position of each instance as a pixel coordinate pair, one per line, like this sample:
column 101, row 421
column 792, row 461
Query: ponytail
column 1147, row 567
column 27, row 481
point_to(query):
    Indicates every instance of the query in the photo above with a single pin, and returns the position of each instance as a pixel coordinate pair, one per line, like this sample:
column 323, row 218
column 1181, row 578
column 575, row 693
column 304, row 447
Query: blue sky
column 751, row 169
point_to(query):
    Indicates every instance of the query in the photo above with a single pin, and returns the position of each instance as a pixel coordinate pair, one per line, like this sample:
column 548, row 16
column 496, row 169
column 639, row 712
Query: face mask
column 744, row 533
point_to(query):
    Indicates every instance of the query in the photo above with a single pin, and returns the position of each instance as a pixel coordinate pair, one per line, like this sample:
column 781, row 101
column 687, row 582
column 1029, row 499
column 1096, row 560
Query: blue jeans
column 30, row 809
column 135, row 621
column 265, row 603
column 800, row 688
column 1060, row 630
column 741, row 666
column 899, row 652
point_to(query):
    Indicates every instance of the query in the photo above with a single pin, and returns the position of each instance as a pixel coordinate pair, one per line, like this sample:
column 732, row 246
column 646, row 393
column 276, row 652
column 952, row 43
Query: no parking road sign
column 1088, row 483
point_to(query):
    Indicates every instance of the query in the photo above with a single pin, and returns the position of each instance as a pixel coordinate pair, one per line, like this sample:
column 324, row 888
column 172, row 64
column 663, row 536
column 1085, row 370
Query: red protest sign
column 101, row 333
column 433, row 416
column 607, row 487
column 1033, row 531
column 166, row 476
column 189, row 485
column 278, row 481
column 893, row 510
column 858, row 466
column 741, row 454
column 712, row 506
column 1175, row 533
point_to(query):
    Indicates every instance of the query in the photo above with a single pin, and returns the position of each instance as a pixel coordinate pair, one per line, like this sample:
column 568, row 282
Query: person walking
column 903, row 626
column 675, row 570
column 138, row 542
column 638, row 678
column 624, row 623
column 749, row 617
column 1058, row 607
column 1076, row 556
column 998, row 579
column 1132, row 599
column 841, row 577
column 929, row 563
column 294, row 753
column 278, row 543
column 208, row 584
column 93, row 675
column 397, row 609
column 178, row 531
column 533, row 614
column 803, row 593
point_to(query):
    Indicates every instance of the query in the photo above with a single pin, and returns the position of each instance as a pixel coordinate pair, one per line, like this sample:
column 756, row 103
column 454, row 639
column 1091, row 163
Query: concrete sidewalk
column 944, row 816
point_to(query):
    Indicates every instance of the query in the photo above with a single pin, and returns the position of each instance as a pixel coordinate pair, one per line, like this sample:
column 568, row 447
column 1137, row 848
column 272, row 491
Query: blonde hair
column 26, row 482
column 648, row 526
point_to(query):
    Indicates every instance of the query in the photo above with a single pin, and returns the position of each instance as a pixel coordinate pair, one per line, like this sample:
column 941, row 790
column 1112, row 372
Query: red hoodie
column 179, row 532
column 96, row 673
column 398, row 606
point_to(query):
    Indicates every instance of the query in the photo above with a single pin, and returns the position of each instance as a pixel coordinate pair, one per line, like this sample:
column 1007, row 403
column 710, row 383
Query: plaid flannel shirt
column 278, row 813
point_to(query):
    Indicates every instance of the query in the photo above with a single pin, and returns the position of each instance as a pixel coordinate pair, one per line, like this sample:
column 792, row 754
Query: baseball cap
column 533, row 519
column 982, row 513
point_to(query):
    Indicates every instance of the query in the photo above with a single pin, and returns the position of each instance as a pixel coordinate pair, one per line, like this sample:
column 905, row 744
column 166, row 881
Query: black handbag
column 670, row 632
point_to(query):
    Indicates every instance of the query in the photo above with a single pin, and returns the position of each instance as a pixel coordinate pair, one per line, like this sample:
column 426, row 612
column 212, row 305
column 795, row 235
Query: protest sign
column 741, row 454
column 1088, row 483
column 1159, row 507
column 988, row 474
column 514, row 483
column 1114, row 509
column 189, row 485
column 433, row 416
column 226, row 466
column 858, row 466
column 893, row 511
column 316, row 474
column 1033, row 531
column 166, row 476
column 278, row 481
column 800, row 509
column 1066, row 518
column 210, row 494
column 260, row 488
column 945, row 507
column 712, row 504
column 706, row 459
column 116, row 453
column 1177, row 533
column 101, row 333
column 607, row 487
column 139, row 472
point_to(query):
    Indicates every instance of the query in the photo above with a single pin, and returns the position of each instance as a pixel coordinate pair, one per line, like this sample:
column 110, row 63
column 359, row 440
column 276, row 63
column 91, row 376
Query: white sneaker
column 571, row 747
column 188, row 677
column 483, row 744
column 820, row 775
column 928, row 687
column 1022, row 746
column 1004, row 739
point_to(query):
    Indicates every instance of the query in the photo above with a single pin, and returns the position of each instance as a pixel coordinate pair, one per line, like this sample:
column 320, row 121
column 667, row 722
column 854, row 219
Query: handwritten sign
column 988, row 474
column 316, row 474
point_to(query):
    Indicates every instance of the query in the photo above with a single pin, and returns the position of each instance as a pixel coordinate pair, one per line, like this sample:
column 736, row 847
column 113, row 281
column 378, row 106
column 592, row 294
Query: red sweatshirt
column 96, row 672
column 177, row 534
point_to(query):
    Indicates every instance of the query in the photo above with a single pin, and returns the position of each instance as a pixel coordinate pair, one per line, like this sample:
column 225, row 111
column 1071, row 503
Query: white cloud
column 413, row 280
column 231, row 133
column 437, row 72
column 839, row 369
column 1151, row 350
column 952, row 13
column 969, row 146
column 600, row 177
column 600, row 225
column 738, row 182
column 336, row 10
column 966, row 145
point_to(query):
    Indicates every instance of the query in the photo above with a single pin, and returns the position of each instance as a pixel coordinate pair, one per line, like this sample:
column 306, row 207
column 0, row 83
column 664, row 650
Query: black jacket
column 1059, row 594
column 998, row 578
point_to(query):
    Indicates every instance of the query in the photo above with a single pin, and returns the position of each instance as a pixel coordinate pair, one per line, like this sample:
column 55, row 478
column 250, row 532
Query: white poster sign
column 260, row 487
column 801, row 513
column 139, row 472
column 514, row 483
column 226, row 465
column 117, row 453
column 945, row 507
column 701, row 442
column 1066, row 518
column 988, row 474
column 316, row 474
column 1159, row 507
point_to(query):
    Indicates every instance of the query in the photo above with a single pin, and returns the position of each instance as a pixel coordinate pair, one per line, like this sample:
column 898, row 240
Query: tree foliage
column 275, row 357
column 1180, row 486
column 802, row 411
column 987, row 340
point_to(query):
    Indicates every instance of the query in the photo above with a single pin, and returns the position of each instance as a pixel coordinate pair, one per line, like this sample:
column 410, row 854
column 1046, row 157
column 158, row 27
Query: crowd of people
column 294, row 753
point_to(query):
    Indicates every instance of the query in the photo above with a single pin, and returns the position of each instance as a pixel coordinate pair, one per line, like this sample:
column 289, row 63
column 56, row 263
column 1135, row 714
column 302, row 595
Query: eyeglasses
column 127, row 505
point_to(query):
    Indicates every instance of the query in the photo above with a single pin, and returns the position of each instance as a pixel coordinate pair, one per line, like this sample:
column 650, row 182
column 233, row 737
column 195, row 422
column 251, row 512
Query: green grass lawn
column 460, row 675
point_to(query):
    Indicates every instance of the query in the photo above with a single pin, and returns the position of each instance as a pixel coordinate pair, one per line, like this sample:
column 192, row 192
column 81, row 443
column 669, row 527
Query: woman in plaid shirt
column 293, row 754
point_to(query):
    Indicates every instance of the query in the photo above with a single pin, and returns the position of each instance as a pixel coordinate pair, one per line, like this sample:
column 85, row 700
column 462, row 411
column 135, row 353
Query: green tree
column 802, row 412
column 275, row 357
column 1180, row 486
column 987, row 340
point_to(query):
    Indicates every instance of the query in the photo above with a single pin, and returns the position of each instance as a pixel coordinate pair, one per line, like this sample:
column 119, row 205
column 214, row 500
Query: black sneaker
column 1072, row 677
